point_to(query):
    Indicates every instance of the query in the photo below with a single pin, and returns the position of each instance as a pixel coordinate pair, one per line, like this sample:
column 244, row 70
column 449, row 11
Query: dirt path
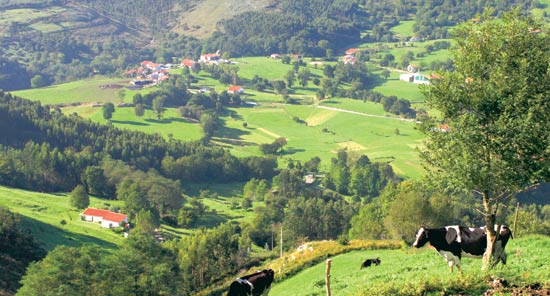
column 365, row 114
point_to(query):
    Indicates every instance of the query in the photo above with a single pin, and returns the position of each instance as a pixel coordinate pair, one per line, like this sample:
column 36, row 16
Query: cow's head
column 269, row 274
column 421, row 238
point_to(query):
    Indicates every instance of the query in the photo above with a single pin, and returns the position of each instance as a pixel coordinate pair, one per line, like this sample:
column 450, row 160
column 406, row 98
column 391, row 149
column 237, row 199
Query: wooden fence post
column 516, row 220
column 327, row 276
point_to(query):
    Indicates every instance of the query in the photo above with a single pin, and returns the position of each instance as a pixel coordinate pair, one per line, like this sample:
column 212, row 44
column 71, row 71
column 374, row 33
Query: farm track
column 365, row 114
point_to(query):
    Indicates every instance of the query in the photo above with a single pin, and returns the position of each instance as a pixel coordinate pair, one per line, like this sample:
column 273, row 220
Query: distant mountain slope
column 200, row 17
column 138, row 21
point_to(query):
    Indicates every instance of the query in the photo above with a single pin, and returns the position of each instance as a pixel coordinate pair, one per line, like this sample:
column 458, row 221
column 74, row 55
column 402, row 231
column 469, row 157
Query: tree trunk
column 490, row 218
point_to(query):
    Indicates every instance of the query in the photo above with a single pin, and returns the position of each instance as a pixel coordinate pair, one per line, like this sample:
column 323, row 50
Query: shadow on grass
column 129, row 122
column 230, row 133
column 330, row 102
column 290, row 151
column 168, row 120
column 50, row 236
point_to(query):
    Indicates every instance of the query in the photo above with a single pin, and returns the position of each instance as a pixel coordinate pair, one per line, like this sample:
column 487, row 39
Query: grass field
column 358, row 134
column 171, row 125
column 81, row 91
column 404, row 29
column 418, row 272
column 43, row 214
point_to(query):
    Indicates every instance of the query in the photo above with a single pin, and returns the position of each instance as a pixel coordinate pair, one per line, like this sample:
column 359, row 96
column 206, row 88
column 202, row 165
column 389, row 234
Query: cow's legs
column 451, row 259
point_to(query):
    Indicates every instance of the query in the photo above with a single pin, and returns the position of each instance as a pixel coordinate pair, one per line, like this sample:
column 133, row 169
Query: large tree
column 79, row 197
column 496, row 104
column 108, row 110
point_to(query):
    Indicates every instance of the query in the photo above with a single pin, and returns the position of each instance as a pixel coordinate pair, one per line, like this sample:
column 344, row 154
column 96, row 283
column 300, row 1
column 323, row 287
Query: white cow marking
column 457, row 229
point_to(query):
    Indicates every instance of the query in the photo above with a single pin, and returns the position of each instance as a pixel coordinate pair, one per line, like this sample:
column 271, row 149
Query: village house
column 210, row 57
column 411, row 68
column 415, row 78
column 107, row 218
column 352, row 51
column 350, row 59
column 235, row 89
column 187, row 63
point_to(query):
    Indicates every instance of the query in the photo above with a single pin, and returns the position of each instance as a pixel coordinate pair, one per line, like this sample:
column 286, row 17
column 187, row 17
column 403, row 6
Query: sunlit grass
column 43, row 214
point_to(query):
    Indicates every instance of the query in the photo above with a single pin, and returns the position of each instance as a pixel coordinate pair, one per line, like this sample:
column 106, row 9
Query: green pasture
column 97, row 89
column 268, row 68
column 324, row 133
column 28, row 15
column 171, row 125
column 544, row 7
column 404, row 29
column 356, row 105
column 401, row 89
column 419, row 272
column 43, row 214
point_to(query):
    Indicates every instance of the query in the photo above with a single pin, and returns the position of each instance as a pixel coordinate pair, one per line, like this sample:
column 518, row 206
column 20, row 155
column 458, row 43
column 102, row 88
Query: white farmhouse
column 107, row 218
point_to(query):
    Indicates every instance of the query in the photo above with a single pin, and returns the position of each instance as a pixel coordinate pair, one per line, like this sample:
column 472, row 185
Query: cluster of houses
column 350, row 58
column 149, row 73
column 206, row 58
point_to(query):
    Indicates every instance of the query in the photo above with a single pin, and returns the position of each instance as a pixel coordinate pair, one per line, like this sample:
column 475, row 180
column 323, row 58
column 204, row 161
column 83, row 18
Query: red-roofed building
column 444, row 127
column 187, row 63
column 352, row 51
column 349, row 59
column 107, row 218
column 210, row 57
column 235, row 89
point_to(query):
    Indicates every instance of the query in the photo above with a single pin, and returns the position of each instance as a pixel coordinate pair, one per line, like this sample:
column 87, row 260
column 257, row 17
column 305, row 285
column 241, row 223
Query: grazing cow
column 453, row 242
column 370, row 262
column 256, row 284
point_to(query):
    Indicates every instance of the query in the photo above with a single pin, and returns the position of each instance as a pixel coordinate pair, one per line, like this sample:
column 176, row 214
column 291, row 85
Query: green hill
column 54, row 222
column 419, row 272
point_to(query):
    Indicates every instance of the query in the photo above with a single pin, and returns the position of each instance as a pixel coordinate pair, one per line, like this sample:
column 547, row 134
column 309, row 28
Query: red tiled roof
column 187, row 63
column 234, row 88
column 352, row 51
column 105, row 214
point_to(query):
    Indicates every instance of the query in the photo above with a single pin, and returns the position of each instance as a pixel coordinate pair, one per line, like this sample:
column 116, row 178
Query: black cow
column 370, row 262
column 453, row 242
column 256, row 284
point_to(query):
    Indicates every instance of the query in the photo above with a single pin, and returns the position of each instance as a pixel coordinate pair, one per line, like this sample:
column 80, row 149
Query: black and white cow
column 370, row 262
column 256, row 284
column 453, row 242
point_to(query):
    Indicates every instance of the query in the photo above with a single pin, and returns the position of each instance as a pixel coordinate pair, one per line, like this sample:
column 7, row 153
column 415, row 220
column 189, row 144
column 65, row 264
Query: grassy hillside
column 357, row 133
column 43, row 214
column 326, row 128
column 419, row 272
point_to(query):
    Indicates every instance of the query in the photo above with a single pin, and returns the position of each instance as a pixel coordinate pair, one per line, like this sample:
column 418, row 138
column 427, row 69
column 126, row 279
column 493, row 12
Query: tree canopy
column 496, row 105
